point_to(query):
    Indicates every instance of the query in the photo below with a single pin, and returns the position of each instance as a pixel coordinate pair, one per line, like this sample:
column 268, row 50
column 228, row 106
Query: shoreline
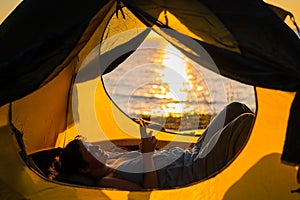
column 180, row 123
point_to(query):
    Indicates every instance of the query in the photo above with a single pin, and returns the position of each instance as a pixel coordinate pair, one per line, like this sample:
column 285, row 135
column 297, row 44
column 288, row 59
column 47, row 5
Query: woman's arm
column 150, row 175
column 147, row 148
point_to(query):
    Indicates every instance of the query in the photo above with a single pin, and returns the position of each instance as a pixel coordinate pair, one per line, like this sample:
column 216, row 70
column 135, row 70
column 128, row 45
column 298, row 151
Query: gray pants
column 221, row 142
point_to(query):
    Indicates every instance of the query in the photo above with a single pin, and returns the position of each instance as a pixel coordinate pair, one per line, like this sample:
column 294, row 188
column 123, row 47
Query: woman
column 84, row 158
column 150, row 168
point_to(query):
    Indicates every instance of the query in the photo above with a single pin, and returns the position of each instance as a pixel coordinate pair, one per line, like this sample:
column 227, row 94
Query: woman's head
column 71, row 159
column 80, row 156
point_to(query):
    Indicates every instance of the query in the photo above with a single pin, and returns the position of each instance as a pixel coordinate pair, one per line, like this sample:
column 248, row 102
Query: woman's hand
column 148, row 143
column 147, row 147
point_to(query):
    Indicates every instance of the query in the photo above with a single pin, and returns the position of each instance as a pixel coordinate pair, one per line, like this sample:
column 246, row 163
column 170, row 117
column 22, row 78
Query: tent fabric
column 265, row 62
column 47, row 39
column 251, row 169
column 38, row 69
column 291, row 149
column 277, row 67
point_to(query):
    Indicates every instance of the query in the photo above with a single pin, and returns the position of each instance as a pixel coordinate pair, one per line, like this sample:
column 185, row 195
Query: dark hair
column 71, row 160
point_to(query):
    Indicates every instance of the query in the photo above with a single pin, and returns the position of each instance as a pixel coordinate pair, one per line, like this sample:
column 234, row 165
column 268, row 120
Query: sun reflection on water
column 160, row 84
column 179, row 85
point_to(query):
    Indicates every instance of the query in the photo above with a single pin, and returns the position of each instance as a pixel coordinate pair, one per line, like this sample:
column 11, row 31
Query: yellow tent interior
column 40, row 106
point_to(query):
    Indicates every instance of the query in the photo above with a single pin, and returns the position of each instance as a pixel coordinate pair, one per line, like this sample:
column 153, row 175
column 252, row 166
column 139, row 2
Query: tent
column 44, row 44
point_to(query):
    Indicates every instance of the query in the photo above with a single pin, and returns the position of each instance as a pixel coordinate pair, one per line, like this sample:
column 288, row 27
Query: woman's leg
column 222, row 147
column 229, row 113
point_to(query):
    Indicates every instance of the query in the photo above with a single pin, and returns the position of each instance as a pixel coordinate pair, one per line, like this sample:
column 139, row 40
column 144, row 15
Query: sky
column 292, row 6
column 6, row 6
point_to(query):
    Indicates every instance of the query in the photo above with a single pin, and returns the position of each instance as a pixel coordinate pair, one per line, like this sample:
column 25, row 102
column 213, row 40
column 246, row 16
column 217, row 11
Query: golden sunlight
column 176, row 74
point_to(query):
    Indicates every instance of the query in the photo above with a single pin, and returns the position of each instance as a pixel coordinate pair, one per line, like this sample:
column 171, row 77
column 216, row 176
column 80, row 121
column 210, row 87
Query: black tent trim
column 27, row 62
